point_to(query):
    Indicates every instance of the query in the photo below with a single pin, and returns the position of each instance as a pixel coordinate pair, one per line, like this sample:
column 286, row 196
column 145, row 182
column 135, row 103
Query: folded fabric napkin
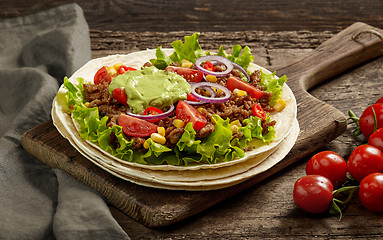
column 36, row 202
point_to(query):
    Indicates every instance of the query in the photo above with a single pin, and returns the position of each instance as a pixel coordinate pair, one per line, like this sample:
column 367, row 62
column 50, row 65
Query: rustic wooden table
column 277, row 32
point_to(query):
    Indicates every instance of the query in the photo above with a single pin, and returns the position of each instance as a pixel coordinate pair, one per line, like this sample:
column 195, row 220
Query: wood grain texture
column 211, row 15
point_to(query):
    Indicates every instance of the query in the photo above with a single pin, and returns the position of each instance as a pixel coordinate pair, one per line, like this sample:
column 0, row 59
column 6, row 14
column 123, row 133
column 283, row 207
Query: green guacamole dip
column 151, row 87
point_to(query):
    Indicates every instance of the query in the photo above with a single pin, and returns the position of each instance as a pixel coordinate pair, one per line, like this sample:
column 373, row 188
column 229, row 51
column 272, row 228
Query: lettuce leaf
column 189, row 50
column 162, row 60
column 273, row 85
column 243, row 59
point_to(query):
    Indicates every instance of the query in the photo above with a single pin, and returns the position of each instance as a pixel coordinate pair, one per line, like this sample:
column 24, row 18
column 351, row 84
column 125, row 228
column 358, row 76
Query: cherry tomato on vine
column 313, row 193
column 371, row 192
column 364, row 160
column 328, row 164
column 376, row 139
column 367, row 121
column 380, row 100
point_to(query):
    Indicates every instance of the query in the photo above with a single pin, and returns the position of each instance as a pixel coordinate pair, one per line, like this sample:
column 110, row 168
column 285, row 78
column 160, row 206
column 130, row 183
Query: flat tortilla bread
column 213, row 176
column 201, row 180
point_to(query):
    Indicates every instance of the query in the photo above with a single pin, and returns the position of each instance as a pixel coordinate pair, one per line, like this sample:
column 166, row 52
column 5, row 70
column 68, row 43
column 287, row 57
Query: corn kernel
column 239, row 92
column 178, row 123
column 235, row 123
column 112, row 71
column 186, row 64
column 117, row 66
column 211, row 78
column 161, row 131
column 199, row 109
column 280, row 105
column 86, row 104
column 158, row 138
column 234, row 128
column 217, row 90
column 146, row 145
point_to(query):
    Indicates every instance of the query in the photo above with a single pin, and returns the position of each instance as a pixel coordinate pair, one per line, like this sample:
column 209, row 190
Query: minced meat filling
column 236, row 108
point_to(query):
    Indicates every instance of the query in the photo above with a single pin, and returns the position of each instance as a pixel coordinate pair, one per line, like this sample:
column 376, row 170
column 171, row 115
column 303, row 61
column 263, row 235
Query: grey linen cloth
column 36, row 202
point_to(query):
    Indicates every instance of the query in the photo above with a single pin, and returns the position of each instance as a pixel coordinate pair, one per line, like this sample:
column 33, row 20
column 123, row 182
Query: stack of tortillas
column 195, row 177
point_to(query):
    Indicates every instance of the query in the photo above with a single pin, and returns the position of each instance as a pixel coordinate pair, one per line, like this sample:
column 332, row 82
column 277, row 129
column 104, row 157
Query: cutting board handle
column 353, row 46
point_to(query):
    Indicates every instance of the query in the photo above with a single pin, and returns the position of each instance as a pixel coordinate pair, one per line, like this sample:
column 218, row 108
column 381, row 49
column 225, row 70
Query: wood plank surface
column 212, row 15
column 290, row 30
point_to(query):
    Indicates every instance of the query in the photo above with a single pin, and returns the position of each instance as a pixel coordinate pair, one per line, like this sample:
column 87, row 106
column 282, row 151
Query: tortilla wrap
column 190, row 177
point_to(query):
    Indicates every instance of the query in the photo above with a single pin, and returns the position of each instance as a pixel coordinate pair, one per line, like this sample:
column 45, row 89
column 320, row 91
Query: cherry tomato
column 367, row 122
column 328, row 164
column 380, row 100
column 376, row 139
column 120, row 95
column 102, row 75
column 371, row 192
column 136, row 127
column 191, row 75
column 191, row 98
column 123, row 69
column 188, row 113
column 365, row 159
column 258, row 111
column 234, row 82
column 209, row 66
column 153, row 111
column 313, row 193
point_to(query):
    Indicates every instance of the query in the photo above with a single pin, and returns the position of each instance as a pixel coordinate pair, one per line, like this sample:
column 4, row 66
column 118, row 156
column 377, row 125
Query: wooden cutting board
column 319, row 124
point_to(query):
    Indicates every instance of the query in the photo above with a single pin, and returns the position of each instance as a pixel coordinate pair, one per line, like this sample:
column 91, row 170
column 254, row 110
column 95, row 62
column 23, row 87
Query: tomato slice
column 188, row 113
column 191, row 75
column 209, row 66
column 120, row 95
column 123, row 69
column 136, row 127
column 102, row 75
column 191, row 98
column 258, row 111
column 236, row 83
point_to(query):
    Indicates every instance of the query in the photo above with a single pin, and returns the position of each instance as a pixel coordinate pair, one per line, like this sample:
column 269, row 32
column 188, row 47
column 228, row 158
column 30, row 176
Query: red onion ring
column 151, row 117
column 209, row 89
column 210, row 99
column 242, row 70
column 227, row 62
